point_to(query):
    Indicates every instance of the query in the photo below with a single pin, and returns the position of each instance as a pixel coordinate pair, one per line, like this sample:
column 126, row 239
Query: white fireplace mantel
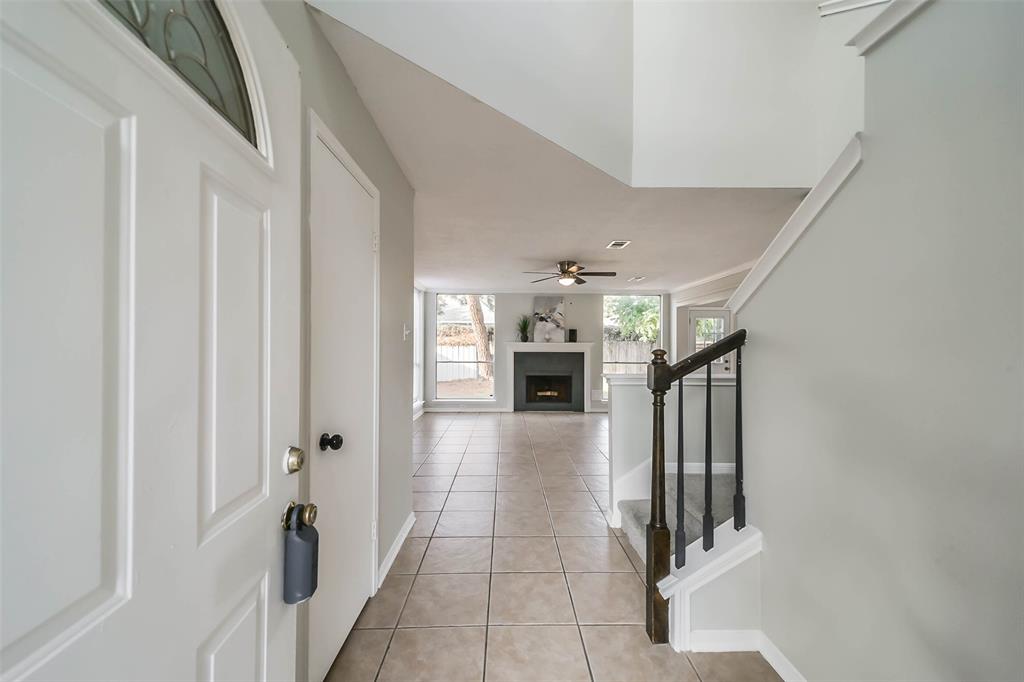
column 514, row 347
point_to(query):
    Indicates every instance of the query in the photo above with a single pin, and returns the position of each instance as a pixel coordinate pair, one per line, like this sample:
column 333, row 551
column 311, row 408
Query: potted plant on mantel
column 523, row 325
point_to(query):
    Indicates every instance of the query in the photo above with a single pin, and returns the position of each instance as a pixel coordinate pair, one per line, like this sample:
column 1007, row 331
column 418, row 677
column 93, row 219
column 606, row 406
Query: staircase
column 637, row 513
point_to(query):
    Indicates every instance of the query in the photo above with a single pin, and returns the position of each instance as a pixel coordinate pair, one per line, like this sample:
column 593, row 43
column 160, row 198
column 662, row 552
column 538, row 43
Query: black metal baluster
column 739, row 502
column 709, row 521
column 680, row 512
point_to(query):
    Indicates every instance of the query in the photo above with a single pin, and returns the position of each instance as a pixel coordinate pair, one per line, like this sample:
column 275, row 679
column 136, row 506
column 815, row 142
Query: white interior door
column 150, row 355
column 343, row 218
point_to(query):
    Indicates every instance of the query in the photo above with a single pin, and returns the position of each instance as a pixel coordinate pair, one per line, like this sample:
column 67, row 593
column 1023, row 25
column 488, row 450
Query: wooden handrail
column 661, row 376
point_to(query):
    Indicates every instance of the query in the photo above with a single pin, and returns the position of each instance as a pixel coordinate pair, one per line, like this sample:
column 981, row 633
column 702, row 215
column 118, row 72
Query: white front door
column 150, row 354
column 343, row 390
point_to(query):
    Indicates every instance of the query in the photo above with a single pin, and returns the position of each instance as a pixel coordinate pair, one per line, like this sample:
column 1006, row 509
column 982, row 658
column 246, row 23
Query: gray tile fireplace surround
column 548, row 364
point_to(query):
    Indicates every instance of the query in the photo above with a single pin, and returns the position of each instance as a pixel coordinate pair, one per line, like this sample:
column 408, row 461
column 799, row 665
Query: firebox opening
column 548, row 389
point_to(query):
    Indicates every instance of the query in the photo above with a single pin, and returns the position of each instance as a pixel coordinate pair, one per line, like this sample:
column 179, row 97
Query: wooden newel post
column 658, row 535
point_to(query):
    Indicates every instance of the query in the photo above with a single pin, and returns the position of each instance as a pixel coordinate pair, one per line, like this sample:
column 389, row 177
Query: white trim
column 887, row 21
column 731, row 549
column 830, row 7
column 776, row 659
column 389, row 558
column 726, row 640
column 804, row 216
column 320, row 132
column 465, row 408
column 417, row 409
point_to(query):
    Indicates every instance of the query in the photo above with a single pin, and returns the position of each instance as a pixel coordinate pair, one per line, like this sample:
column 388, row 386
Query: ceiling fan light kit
column 568, row 274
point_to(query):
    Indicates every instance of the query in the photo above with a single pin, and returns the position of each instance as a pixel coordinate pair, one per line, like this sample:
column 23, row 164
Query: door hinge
column 376, row 241
column 373, row 531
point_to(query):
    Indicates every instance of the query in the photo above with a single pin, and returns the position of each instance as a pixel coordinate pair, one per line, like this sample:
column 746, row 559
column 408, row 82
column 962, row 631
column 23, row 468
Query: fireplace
column 556, row 388
column 548, row 381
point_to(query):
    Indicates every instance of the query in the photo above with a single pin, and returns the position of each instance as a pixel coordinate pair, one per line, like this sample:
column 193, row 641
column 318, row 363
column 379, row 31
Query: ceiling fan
column 568, row 274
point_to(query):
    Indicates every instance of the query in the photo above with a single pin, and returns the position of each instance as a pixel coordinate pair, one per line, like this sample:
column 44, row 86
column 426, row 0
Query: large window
column 464, row 367
column 707, row 326
column 632, row 329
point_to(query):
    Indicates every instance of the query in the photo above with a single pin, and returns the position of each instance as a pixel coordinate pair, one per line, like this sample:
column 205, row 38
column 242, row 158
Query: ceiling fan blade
column 530, row 272
column 602, row 274
column 576, row 268
column 543, row 279
column 579, row 280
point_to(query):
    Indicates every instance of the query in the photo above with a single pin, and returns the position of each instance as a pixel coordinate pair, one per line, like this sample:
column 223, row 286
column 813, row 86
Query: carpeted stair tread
column 636, row 513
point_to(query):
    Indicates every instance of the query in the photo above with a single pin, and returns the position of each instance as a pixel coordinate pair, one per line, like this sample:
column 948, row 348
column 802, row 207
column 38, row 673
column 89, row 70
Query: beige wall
column 888, row 480
column 327, row 89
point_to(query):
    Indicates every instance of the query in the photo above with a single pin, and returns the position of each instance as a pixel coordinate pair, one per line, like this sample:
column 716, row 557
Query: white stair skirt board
column 389, row 558
column 731, row 549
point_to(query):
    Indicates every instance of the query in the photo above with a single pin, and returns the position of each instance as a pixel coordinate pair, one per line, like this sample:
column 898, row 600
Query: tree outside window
column 465, row 347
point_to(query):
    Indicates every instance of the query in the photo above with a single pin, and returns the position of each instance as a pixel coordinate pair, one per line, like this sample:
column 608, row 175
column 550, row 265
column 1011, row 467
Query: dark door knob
column 333, row 442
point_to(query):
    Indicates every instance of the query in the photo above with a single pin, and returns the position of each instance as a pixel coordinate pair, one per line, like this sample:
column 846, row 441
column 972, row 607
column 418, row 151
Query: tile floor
column 511, row 572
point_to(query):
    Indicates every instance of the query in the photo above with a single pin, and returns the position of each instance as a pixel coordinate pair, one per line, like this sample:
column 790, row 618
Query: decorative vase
column 524, row 337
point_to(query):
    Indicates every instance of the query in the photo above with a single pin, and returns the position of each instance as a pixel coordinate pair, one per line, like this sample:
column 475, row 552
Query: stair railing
column 660, row 377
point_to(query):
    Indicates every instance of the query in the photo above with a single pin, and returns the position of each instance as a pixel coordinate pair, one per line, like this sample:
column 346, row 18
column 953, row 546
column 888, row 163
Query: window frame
column 724, row 364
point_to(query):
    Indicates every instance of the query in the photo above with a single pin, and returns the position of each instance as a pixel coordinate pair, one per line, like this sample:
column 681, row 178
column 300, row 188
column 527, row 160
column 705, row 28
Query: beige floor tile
column 477, row 469
column 623, row 652
column 435, row 654
column 444, row 458
column 516, row 468
column 593, row 555
column 487, row 458
column 580, row 523
column 428, row 484
column 570, row 501
column 382, row 609
column 428, row 501
column 525, row 554
column 607, row 598
column 597, row 483
column 408, row 558
column 446, row 600
column 466, row 484
column 532, row 522
column 465, row 501
column 454, row 524
column 535, row 652
column 738, row 666
column 529, row 598
column 424, row 526
column 521, row 501
column 518, row 483
column 437, row 469
column 563, row 483
column 593, row 470
column 458, row 555
column 360, row 657
column 634, row 558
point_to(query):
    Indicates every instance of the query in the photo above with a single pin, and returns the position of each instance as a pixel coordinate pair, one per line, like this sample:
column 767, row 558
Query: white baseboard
column 389, row 558
column 746, row 640
column 776, row 659
column 417, row 410
column 466, row 408
column 726, row 640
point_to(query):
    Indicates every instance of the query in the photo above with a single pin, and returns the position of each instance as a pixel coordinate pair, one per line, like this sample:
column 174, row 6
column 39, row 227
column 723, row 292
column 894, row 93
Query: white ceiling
column 494, row 198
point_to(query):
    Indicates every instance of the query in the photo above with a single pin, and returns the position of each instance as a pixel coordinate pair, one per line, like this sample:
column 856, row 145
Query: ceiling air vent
column 618, row 244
